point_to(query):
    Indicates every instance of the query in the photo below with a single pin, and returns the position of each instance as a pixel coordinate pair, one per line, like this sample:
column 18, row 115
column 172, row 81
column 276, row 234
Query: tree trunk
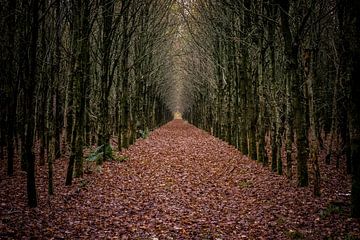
column 30, row 83
column 262, row 154
column 298, row 100
column 314, row 145
column 58, row 96
column 107, row 8
column 125, row 81
column 51, row 136
column 352, row 31
column 11, row 87
column 80, row 80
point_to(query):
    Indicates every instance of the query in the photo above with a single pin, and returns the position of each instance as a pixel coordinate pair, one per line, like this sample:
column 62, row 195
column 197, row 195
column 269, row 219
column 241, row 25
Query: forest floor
column 179, row 183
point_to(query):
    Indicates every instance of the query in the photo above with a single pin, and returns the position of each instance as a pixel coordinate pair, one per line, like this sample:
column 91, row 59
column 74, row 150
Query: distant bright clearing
column 177, row 115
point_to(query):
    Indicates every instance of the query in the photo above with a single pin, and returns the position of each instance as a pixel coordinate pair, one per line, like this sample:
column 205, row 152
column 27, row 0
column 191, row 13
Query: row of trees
column 278, row 73
column 75, row 73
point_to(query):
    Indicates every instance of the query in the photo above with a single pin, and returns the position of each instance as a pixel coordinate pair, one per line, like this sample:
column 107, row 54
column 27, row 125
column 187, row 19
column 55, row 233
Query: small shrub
column 280, row 221
column 143, row 133
column 121, row 158
column 295, row 235
column 83, row 183
column 332, row 208
column 349, row 236
column 99, row 152
column 245, row 184
column 89, row 167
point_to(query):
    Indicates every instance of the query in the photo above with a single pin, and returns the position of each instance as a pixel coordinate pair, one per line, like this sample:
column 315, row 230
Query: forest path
column 179, row 183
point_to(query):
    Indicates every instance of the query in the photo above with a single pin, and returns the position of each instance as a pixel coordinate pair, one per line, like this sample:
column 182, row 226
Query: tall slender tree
column 80, row 78
column 30, row 80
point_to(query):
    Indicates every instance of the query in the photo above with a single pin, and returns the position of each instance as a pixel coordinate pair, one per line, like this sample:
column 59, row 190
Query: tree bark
column 29, row 85
column 107, row 10
column 298, row 100
column 11, row 84
column 80, row 80
column 352, row 10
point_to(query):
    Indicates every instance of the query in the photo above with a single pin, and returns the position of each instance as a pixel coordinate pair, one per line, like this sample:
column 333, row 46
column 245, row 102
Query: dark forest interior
column 90, row 85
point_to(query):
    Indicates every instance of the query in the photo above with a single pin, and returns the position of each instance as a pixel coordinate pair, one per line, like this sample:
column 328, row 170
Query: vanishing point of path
column 179, row 183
